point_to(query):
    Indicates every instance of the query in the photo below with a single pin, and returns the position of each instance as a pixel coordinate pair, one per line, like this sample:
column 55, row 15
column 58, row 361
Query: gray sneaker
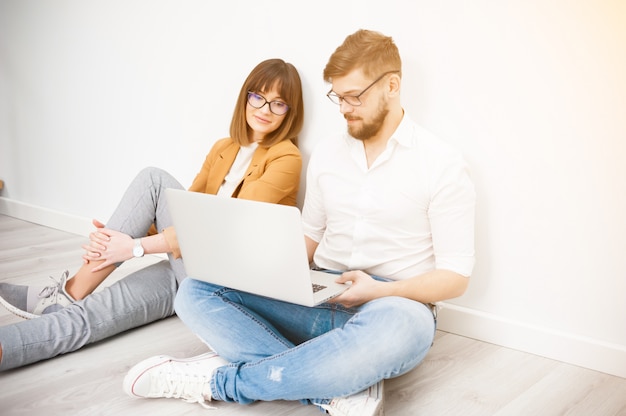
column 29, row 302
column 368, row 402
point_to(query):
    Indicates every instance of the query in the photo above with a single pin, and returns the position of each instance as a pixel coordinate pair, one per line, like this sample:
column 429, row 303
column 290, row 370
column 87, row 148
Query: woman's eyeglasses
column 279, row 108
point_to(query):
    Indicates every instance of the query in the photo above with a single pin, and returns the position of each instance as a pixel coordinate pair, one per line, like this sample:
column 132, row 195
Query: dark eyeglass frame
column 354, row 100
column 272, row 110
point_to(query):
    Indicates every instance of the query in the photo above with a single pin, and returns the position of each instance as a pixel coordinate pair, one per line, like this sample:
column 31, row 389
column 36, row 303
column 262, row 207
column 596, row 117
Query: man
column 390, row 206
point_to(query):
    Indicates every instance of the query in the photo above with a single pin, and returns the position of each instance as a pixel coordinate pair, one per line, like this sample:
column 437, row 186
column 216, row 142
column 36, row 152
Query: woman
column 259, row 161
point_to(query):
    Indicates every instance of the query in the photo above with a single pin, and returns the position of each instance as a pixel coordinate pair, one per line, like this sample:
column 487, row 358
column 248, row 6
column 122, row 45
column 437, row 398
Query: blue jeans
column 283, row 351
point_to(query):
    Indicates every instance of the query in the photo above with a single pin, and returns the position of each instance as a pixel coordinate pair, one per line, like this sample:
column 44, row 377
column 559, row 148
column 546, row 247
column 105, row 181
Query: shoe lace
column 190, row 388
column 348, row 405
column 352, row 405
column 54, row 289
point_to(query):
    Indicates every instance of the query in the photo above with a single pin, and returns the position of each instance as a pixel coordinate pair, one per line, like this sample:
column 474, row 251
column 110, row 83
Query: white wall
column 532, row 91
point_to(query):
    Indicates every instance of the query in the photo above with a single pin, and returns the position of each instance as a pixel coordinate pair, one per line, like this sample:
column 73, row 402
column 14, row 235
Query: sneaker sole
column 17, row 311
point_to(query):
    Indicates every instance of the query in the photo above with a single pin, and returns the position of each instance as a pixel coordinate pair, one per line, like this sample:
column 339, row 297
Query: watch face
column 138, row 250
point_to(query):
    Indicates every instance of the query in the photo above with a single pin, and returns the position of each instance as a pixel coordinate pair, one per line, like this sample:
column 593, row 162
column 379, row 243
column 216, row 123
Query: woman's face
column 261, row 119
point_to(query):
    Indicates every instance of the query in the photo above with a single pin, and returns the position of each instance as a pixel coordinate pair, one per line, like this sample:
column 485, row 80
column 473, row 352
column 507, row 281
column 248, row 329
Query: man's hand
column 363, row 288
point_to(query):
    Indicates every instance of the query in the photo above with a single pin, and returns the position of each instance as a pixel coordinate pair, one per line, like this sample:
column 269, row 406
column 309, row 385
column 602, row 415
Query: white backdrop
column 533, row 92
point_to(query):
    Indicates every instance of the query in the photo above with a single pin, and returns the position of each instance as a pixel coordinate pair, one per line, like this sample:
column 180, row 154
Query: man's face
column 364, row 120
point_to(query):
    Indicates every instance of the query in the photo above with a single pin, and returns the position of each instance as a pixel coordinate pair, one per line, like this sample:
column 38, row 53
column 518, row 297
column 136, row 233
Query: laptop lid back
column 252, row 246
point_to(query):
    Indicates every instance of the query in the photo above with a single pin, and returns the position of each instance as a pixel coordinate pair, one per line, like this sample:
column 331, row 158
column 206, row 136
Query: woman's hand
column 108, row 246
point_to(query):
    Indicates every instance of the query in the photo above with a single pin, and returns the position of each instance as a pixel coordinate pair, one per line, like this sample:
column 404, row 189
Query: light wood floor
column 460, row 376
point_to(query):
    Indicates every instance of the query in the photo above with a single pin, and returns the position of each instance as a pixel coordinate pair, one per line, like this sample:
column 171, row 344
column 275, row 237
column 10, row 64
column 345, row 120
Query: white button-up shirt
column 411, row 212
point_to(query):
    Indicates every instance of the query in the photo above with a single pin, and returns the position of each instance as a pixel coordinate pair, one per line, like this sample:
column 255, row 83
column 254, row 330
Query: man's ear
column 393, row 85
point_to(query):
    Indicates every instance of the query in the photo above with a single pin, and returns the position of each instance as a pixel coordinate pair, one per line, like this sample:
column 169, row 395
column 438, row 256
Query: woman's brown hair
column 269, row 74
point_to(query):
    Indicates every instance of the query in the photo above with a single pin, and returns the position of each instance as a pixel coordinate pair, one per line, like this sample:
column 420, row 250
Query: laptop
column 252, row 246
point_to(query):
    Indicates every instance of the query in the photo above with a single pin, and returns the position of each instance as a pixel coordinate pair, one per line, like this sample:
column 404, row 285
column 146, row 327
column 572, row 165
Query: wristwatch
column 138, row 249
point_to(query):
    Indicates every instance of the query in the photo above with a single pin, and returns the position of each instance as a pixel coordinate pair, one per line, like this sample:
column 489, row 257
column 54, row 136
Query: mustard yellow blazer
column 272, row 176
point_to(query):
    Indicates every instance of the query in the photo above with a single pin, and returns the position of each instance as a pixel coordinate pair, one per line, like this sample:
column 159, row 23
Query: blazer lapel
column 222, row 165
column 257, row 158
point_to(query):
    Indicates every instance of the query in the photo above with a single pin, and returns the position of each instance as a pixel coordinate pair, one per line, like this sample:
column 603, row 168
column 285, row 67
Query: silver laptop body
column 251, row 246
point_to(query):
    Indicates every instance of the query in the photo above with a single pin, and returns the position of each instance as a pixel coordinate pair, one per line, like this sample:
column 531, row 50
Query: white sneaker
column 167, row 377
column 368, row 402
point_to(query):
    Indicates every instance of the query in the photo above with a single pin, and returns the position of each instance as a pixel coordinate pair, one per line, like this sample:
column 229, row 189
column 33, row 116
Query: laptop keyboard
column 317, row 288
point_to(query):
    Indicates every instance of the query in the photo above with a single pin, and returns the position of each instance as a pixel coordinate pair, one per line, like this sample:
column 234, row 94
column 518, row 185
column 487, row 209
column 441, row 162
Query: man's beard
column 367, row 130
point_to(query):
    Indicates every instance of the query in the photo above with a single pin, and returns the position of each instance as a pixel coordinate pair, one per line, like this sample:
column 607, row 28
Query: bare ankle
column 84, row 282
column 76, row 291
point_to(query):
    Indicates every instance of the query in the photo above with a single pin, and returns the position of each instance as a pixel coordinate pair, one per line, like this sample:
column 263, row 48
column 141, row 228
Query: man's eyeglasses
column 258, row 101
column 353, row 100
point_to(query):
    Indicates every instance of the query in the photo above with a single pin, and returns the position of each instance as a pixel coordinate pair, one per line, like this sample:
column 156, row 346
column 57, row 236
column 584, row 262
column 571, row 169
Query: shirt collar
column 404, row 133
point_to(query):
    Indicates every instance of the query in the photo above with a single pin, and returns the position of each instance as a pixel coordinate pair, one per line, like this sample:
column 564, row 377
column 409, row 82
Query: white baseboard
column 565, row 347
column 46, row 217
column 569, row 348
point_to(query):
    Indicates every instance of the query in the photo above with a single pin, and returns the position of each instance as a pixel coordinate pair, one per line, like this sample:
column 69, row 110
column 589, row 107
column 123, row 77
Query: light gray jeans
column 144, row 296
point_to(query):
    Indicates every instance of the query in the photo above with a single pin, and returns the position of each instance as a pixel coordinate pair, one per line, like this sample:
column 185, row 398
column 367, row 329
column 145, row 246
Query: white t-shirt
column 411, row 212
column 237, row 170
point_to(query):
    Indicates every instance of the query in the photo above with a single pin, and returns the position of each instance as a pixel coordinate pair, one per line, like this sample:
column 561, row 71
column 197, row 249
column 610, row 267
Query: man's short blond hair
column 370, row 51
